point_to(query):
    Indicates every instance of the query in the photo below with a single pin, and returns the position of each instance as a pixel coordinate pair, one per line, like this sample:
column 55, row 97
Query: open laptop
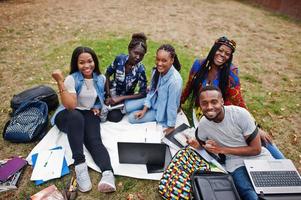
column 156, row 156
column 274, row 176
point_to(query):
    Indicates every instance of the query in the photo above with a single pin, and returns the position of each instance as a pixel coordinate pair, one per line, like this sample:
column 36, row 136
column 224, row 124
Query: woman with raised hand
column 163, row 100
column 82, row 96
column 217, row 69
column 127, row 71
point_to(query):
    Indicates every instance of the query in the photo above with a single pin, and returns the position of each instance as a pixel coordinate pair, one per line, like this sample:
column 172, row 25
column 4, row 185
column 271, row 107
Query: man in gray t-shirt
column 224, row 130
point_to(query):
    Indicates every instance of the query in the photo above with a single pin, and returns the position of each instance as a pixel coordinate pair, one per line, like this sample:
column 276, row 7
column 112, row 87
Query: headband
column 225, row 41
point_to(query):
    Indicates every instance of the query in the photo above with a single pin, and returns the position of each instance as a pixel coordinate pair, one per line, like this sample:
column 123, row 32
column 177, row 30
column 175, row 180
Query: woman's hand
column 140, row 114
column 168, row 130
column 58, row 76
column 95, row 111
column 265, row 137
column 116, row 100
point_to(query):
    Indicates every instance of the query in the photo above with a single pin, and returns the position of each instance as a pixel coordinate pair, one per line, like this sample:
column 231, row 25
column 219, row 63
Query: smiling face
column 86, row 64
column 222, row 55
column 164, row 61
column 211, row 103
column 136, row 55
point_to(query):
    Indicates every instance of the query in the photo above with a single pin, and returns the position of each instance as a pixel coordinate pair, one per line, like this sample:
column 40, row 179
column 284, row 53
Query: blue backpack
column 29, row 122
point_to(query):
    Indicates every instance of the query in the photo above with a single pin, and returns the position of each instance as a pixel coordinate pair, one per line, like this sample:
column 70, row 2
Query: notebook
column 274, row 176
column 156, row 156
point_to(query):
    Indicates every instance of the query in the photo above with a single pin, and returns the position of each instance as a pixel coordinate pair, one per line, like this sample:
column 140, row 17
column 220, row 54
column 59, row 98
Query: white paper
column 48, row 165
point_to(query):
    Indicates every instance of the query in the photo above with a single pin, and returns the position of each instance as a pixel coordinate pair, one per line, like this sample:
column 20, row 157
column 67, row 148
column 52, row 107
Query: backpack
column 41, row 92
column 29, row 122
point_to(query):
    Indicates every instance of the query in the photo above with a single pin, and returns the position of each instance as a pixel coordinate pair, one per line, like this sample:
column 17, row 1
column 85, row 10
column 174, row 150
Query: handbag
column 41, row 92
column 175, row 182
column 28, row 122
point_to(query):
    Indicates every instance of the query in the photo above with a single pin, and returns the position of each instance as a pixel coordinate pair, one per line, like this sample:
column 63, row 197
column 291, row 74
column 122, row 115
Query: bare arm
column 68, row 100
column 254, row 148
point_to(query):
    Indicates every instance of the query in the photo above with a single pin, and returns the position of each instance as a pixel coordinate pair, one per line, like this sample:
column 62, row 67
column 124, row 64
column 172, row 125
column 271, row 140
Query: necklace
column 87, row 83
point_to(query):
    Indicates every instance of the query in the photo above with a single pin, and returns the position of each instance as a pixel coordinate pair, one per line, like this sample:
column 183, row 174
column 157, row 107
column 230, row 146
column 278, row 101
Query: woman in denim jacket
column 82, row 96
column 163, row 100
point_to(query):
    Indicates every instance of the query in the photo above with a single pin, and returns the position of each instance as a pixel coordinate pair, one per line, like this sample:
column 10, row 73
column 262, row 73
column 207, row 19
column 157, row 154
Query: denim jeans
column 243, row 184
column 150, row 116
column 273, row 149
column 133, row 105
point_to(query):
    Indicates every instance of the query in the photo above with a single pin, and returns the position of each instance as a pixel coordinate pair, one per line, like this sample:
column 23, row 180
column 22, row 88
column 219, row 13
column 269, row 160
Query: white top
column 230, row 132
column 87, row 96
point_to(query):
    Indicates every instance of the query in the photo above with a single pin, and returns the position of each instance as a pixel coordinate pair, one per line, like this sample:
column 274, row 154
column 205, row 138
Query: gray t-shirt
column 230, row 132
column 87, row 96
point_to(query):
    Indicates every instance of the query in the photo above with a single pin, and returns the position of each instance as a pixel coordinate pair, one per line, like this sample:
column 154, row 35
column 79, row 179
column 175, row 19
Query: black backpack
column 41, row 92
column 28, row 123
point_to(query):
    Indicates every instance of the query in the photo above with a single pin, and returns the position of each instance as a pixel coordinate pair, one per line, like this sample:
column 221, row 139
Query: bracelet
column 61, row 91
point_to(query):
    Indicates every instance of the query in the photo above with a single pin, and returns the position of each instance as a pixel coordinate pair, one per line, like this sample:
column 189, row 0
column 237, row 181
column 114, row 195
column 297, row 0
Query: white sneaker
column 107, row 182
column 82, row 177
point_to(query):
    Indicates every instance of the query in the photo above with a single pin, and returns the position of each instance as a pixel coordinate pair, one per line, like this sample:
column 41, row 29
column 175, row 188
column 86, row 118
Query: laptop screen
column 141, row 153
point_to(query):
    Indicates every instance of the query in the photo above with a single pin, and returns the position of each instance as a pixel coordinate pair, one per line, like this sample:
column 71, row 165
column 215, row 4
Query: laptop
column 156, row 156
column 274, row 176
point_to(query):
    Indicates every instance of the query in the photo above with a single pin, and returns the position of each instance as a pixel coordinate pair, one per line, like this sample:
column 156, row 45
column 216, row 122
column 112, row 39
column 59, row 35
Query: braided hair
column 176, row 63
column 138, row 39
column 206, row 65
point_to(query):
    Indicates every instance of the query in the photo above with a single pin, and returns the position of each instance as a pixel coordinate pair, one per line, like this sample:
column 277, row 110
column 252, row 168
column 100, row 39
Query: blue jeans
column 133, row 105
column 273, row 149
column 243, row 184
column 150, row 116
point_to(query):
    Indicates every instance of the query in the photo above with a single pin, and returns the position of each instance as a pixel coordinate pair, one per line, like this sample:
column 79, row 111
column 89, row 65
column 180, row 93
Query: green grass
column 106, row 50
column 265, row 107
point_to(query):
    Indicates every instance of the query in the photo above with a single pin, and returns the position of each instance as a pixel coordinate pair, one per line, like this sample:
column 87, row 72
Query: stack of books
column 10, row 172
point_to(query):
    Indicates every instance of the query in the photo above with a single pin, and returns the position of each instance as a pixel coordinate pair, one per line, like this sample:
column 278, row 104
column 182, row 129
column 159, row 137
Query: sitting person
column 163, row 100
column 218, row 70
column 225, row 130
column 128, row 71
column 82, row 96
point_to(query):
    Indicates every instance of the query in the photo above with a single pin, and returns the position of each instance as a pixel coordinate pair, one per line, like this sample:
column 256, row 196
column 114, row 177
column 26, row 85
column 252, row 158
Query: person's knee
column 132, row 118
column 74, row 115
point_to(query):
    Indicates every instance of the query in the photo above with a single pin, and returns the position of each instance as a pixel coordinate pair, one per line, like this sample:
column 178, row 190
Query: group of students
column 85, row 92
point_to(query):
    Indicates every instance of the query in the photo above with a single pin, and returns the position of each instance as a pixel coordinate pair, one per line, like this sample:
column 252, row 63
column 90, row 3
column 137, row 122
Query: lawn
column 268, row 56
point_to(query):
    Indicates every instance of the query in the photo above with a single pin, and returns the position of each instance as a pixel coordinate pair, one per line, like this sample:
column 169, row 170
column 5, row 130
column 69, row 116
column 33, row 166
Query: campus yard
column 39, row 36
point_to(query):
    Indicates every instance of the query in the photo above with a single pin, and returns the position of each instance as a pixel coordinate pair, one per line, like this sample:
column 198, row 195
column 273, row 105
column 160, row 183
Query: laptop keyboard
column 276, row 178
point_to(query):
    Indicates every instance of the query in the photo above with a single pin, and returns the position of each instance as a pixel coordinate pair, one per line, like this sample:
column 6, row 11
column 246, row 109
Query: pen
column 48, row 159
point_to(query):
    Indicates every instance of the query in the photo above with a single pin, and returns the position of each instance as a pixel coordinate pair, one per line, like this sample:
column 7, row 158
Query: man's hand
column 213, row 147
column 193, row 142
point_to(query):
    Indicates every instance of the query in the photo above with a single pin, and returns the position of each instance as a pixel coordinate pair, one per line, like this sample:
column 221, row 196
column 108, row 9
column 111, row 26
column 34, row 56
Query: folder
column 11, row 167
column 65, row 168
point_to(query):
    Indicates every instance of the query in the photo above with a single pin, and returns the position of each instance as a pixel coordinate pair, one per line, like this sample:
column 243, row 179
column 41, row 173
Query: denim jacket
column 166, row 98
column 99, row 83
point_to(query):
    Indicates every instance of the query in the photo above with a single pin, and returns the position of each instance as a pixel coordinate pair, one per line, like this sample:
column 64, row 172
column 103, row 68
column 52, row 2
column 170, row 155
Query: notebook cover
column 11, row 167
column 179, row 129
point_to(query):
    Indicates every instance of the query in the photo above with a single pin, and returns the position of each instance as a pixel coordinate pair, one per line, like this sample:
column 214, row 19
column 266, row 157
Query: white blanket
column 111, row 133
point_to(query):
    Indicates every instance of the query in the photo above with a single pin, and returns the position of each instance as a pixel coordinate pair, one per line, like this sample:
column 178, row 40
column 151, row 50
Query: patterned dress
column 233, row 92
